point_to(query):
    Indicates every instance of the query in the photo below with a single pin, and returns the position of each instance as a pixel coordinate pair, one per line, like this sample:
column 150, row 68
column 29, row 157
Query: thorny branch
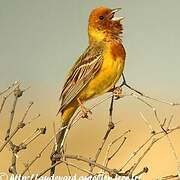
column 111, row 172
column 63, row 159
column 21, row 124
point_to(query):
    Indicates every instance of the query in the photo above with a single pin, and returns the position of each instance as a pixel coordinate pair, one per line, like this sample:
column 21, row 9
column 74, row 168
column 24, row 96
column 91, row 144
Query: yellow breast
column 107, row 76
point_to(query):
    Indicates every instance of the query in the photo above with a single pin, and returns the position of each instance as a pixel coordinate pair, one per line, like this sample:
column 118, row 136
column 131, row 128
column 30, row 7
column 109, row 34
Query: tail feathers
column 58, row 149
column 60, row 136
column 66, row 117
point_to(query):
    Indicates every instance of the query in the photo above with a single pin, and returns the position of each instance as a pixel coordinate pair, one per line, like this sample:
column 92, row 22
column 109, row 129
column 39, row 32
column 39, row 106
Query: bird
column 99, row 67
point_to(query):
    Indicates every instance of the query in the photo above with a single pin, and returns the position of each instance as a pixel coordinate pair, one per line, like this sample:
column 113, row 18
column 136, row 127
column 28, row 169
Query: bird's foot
column 85, row 111
column 117, row 92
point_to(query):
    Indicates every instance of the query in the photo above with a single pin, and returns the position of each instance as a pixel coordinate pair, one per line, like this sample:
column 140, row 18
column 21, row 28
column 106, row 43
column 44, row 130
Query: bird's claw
column 86, row 112
column 117, row 92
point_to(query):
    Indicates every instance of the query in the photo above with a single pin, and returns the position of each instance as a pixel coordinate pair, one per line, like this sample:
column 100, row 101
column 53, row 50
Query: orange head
column 102, row 22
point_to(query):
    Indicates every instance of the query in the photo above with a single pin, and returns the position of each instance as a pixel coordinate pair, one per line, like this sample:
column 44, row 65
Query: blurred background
column 40, row 41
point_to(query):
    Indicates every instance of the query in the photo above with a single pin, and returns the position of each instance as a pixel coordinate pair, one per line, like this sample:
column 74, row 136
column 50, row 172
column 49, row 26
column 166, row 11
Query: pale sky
column 41, row 39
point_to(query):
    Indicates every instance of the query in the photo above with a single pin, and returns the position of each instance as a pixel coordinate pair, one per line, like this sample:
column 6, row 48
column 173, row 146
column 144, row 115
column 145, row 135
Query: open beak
column 113, row 12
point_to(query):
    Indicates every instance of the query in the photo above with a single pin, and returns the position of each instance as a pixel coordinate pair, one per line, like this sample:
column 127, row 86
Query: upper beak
column 116, row 18
column 115, row 10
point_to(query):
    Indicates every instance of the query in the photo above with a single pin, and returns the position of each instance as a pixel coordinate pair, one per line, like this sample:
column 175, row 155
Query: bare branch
column 27, row 110
column 107, row 157
column 20, row 125
column 147, row 123
column 112, row 172
column 32, row 137
column 124, row 83
column 145, row 170
column 17, row 93
column 10, row 87
column 40, row 153
column 169, row 123
column 55, row 138
column 145, row 143
column 109, row 129
column 68, row 169
column 77, row 167
column 4, row 100
column 117, row 150
column 170, row 177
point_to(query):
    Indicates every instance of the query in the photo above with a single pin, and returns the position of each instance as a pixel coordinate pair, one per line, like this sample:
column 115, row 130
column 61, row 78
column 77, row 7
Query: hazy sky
column 41, row 39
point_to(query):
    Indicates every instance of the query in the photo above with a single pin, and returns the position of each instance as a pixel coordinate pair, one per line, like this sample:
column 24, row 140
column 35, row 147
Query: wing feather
column 82, row 72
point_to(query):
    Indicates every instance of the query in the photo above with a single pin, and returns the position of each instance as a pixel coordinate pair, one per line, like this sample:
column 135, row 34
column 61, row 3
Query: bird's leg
column 117, row 93
column 84, row 110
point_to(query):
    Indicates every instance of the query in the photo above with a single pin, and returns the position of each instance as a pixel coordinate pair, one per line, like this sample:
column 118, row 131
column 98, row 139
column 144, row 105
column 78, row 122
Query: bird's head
column 104, row 22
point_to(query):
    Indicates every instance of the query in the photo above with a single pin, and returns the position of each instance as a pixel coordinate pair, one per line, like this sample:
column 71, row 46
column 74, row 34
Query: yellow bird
column 98, row 69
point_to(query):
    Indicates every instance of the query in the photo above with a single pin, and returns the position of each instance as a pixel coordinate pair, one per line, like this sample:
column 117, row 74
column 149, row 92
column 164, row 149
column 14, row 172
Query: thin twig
column 174, row 153
column 112, row 172
column 48, row 169
column 145, row 143
column 77, row 167
column 17, row 94
column 40, row 153
column 124, row 83
column 170, row 177
column 32, row 137
column 27, row 110
column 55, row 138
column 4, row 100
column 107, row 157
column 169, row 123
column 33, row 119
column 68, row 169
column 17, row 148
column 20, row 125
column 72, row 122
column 117, row 150
column 109, row 129
column 147, row 123
column 131, row 170
column 11, row 86
column 145, row 170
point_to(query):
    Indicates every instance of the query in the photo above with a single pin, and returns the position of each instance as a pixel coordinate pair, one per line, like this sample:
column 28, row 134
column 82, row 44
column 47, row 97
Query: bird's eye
column 101, row 17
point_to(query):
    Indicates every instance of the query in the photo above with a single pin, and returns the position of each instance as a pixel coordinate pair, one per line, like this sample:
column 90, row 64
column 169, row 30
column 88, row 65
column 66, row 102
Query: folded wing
column 82, row 72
